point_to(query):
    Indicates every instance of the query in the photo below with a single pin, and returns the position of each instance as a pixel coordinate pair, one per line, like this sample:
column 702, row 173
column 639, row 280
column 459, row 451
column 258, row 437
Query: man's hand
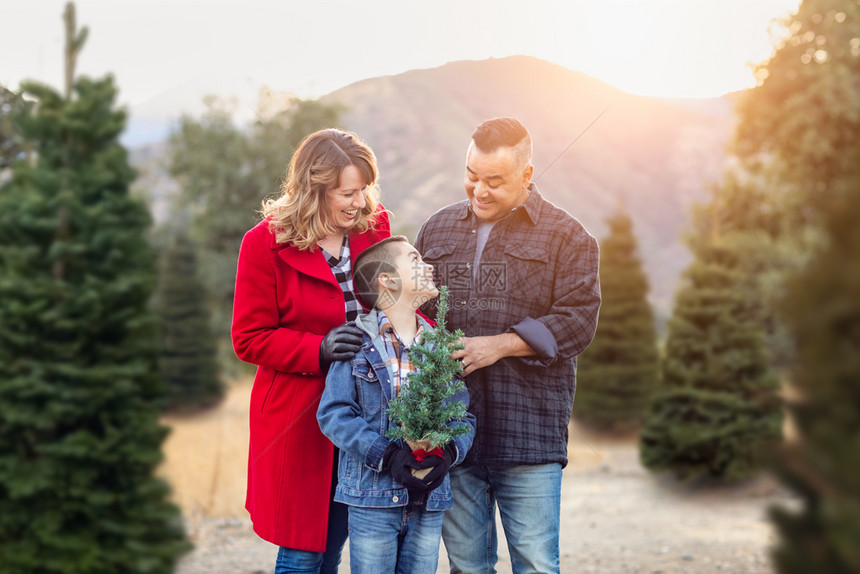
column 480, row 352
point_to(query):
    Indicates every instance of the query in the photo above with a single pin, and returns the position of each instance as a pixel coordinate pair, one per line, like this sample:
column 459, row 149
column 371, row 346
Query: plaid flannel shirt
column 399, row 363
column 537, row 277
column 341, row 266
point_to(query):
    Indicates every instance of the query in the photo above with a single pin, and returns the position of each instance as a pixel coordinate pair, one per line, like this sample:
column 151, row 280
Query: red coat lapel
column 306, row 262
column 314, row 263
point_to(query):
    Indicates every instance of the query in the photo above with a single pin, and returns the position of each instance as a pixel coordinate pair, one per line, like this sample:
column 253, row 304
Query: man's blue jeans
column 529, row 500
column 403, row 540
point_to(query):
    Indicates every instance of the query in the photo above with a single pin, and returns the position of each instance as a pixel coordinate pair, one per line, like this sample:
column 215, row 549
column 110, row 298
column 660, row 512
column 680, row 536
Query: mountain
column 656, row 156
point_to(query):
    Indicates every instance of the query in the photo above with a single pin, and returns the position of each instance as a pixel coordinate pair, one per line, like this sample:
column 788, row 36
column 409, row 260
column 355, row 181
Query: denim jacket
column 353, row 414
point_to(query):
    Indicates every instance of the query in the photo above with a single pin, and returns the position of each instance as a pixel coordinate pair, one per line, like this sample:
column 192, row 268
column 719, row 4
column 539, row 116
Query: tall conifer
column 11, row 146
column 79, row 432
column 803, row 121
column 823, row 310
column 618, row 372
column 189, row 364
column 718, row 404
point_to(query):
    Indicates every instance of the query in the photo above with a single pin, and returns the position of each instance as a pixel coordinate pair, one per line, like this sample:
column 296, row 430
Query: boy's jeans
column 529, row 499
column 404, row 540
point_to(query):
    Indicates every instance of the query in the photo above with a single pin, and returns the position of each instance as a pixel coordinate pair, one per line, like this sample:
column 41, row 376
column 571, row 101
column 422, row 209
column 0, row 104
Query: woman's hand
column 341, row 344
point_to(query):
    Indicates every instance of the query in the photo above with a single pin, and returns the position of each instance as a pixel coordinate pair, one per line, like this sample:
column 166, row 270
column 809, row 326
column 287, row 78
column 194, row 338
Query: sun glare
column 673, row 47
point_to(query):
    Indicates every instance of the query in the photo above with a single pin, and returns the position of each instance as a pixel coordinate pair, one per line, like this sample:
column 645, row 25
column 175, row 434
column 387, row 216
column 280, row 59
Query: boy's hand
column 399, row 461
column 441, row 466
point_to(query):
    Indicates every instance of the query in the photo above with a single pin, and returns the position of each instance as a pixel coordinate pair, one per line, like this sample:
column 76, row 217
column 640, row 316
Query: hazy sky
column 166, row 54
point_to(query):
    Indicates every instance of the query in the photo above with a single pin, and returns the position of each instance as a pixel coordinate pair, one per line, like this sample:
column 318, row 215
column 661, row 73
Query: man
column 522, row 276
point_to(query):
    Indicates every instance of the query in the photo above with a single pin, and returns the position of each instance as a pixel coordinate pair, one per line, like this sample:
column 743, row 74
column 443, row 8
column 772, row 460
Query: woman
column 294, row 295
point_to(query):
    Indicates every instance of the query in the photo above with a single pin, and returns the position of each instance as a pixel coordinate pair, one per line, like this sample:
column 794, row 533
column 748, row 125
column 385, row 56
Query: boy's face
column 413, row 283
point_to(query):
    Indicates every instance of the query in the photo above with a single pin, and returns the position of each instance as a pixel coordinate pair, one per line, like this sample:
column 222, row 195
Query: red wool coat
column 286, row 300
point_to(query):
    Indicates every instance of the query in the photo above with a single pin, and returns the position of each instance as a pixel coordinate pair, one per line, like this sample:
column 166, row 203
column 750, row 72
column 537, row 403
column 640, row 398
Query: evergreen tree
column 718, row 404
column 803, row 123
column 823, row 308
column 422, row 410
column 771, row 244
column 79, row 391
column 11, row 145
column 220, row 188
column 797, row 124
column 188, row 359
column 792, row 145
column 619, row 370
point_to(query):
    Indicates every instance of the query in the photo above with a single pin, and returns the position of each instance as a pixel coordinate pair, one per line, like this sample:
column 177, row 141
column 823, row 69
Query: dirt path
column 615, row 516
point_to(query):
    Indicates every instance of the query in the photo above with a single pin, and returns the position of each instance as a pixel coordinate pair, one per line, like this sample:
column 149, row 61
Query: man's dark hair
column 376, row 259
column 504, row 132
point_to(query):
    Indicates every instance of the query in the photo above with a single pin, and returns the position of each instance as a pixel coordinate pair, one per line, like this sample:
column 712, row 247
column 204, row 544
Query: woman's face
column 344, row 202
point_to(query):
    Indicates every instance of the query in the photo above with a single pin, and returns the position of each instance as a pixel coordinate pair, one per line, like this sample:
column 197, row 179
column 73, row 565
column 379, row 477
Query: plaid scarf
column 398, row 361
column 342, row 269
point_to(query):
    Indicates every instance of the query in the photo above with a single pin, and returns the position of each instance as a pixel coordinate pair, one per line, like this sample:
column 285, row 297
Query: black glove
column 340, row 344
column 399, row 461
column 441, row 466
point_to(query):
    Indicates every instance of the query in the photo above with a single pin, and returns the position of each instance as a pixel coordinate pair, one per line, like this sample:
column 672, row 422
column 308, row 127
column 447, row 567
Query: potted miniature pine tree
column 422, row 410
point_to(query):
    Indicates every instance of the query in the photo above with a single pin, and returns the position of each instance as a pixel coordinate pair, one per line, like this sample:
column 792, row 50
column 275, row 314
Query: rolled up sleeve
column 569, row 327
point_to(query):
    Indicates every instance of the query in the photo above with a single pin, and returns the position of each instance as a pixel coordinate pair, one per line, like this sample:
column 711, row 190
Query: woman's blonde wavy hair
column 299, row 215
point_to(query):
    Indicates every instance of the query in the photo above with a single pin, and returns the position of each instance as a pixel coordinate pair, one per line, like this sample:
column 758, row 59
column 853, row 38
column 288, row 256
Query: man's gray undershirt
column 482, row 235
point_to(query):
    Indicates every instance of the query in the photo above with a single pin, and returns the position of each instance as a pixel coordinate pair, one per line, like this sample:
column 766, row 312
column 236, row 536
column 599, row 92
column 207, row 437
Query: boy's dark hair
column 503, row 132
column 376, row 259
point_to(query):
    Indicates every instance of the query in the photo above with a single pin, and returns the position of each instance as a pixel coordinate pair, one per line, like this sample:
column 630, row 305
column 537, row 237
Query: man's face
column 496, row 182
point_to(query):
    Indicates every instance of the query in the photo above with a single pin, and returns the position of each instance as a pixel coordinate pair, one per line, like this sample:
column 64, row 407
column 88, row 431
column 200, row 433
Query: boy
column 395, row 519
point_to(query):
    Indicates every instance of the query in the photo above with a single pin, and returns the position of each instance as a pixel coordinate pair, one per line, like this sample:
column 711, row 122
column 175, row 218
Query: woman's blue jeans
column 529, row 500
column 291, row 560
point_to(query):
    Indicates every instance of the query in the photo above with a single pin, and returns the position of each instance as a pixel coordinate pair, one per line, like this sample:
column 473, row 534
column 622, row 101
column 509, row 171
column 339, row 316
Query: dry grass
column 206, row 457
